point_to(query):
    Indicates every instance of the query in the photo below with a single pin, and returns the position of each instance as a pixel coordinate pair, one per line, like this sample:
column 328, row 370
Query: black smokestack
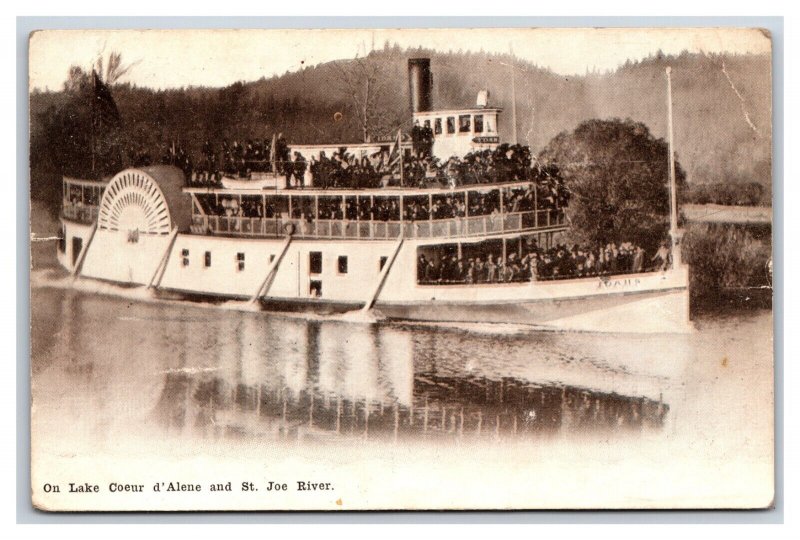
column 420, row 84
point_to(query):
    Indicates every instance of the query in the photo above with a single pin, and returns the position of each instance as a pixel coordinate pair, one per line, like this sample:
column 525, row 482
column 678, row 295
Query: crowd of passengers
column 77, row 196
column 507, row 163
column 235, row 159
column 558, row 262
column 387, row 208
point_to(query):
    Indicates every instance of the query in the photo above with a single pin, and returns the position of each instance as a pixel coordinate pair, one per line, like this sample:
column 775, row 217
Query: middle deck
column 483, row 210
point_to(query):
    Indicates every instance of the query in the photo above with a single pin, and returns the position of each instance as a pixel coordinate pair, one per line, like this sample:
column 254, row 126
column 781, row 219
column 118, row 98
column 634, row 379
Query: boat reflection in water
column 287, row 379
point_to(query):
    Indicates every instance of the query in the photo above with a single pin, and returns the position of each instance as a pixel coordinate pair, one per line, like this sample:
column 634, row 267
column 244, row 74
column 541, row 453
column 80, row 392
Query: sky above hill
column 177, row 58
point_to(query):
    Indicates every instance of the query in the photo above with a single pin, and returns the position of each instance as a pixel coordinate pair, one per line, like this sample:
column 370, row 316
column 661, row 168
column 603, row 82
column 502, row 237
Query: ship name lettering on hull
column 618, row 283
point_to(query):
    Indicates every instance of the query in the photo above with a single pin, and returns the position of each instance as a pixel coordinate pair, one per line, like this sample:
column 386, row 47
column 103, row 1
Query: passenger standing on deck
column 613, row 259
column 299, row 169
column 662, row 255
column 470, row 274
column 422, row 266
column 491, row 269
column 479, row 274
column 430, row 272
column 416, row 138
column 533, row 261
column 638, row 260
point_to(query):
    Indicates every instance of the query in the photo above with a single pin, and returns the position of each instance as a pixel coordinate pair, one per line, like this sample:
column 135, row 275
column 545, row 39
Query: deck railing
column 80, row 213
column 80, row 199
column 475, row 226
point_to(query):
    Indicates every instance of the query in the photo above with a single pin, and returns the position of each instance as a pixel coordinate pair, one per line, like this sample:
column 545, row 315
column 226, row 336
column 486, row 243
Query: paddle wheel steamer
column 145, row 227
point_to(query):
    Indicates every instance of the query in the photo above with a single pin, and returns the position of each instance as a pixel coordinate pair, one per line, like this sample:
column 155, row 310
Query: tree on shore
column 82, row 137
column 617, row 174
column 362, row 83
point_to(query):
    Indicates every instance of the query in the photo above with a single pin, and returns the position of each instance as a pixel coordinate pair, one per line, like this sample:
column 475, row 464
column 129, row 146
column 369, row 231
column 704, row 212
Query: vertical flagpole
column 92, row 114
column 513, row 98
column 673, row 189
column 400, row 151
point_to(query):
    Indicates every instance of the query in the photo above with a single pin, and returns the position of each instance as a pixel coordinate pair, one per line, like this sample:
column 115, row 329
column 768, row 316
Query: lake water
column 122, row 380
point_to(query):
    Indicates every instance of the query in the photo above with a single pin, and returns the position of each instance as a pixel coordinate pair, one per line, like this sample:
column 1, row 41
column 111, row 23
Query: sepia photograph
column 407, row 269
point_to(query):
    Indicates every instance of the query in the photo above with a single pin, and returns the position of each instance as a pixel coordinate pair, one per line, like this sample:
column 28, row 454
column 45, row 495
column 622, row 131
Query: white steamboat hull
column 655, row 302
column 643, row 311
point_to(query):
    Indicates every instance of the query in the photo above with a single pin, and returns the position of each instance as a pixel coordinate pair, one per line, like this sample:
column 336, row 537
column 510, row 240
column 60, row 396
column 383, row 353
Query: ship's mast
column 92, row 116
column 400, row 151
column 673, row 189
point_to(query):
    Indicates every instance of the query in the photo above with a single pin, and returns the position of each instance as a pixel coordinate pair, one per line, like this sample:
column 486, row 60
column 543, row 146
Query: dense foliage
column 618, row 176
column 727, row 257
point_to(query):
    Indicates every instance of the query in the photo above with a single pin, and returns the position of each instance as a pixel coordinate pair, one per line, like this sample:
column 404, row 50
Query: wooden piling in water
column 311, row 412
column 284, row 417
column 396, row 420
column 338, row 414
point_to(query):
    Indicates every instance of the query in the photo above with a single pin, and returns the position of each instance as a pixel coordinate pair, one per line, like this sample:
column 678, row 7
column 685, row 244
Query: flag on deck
column 104, row 109
column 395, row 154
column 273, row 153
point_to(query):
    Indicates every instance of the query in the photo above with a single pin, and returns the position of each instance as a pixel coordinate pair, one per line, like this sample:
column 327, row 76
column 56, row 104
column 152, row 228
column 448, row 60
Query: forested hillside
column 722, row 108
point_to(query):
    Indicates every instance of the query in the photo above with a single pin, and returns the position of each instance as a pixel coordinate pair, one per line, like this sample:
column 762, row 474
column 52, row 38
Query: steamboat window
column 451, row 125
column 437, row 126
column 315, row 262
column 185, row 257
column 240, row 261
column 382, row 263
column 272, row 257
column 342, row 264
column 77, row 246
column 478, row 123
column 463, row 123
column 208, row 259
column 315, row 288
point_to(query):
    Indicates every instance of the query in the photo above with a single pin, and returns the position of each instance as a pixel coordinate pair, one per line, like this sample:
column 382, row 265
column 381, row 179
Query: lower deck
column 328, row 276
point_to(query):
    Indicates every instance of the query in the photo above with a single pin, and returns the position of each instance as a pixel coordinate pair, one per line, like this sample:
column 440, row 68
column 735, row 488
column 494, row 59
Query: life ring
column 289, row 229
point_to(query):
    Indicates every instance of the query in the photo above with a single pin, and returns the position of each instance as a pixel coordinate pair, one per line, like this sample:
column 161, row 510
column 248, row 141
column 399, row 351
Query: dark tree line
column 322, row 104
column 730, row 193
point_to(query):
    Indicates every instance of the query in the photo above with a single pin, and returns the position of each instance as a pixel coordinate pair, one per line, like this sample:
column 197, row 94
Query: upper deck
column 466, row 212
